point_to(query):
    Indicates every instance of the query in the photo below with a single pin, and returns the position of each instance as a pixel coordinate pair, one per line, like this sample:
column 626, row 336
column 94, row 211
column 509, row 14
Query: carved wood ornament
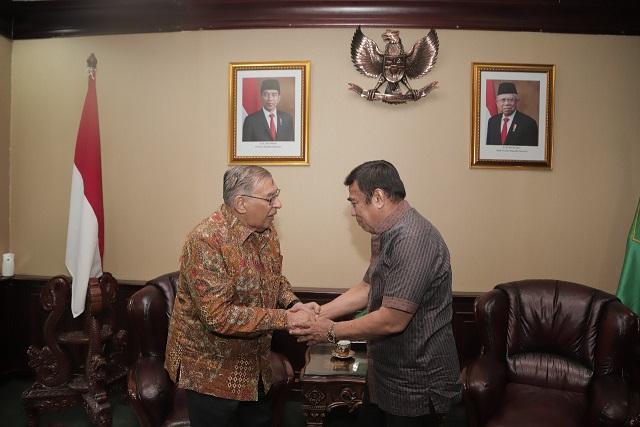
column 63, row 378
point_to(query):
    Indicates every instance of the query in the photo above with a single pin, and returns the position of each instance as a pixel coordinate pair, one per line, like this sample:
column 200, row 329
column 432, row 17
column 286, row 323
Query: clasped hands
column 306, row 322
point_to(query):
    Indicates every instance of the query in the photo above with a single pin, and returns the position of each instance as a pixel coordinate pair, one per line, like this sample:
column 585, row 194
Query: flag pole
column 85, row 232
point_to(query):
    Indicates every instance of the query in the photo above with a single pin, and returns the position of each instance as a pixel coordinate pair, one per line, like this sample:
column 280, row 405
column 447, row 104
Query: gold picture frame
column 525, row 139
column 257, row 134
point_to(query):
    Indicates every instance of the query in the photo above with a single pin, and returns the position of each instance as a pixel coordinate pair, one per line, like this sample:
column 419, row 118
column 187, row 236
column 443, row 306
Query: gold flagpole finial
column 92, row 61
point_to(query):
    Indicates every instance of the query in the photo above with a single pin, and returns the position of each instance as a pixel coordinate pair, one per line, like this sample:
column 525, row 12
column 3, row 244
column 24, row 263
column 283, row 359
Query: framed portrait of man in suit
column 512, row 115
column 269, row 113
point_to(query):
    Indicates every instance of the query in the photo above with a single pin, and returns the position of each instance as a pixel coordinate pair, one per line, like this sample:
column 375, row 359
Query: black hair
column 377, row 174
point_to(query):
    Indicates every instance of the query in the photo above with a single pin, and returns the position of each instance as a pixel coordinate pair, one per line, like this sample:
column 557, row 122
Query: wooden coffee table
column 329, row 383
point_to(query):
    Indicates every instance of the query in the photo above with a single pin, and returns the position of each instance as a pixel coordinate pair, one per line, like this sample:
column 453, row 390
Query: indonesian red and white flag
column 85, row 232
column 490, row 104
column 251, row 98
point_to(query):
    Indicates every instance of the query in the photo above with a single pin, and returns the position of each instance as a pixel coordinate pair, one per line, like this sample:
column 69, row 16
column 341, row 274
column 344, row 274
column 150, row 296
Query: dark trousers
column 211, row 411
column 370, row 415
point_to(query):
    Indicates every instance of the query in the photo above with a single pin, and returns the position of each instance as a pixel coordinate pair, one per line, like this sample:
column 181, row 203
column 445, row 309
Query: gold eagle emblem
column 394, row 66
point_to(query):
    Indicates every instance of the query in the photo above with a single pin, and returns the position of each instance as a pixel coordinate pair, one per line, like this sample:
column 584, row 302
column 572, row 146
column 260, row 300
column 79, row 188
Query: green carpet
column 12, row 413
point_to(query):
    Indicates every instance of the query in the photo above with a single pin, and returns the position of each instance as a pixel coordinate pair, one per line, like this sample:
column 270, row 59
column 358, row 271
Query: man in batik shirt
column 231, row 296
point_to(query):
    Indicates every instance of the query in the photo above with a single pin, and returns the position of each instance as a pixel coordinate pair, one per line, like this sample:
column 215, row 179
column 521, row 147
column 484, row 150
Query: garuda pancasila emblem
column 394, row 66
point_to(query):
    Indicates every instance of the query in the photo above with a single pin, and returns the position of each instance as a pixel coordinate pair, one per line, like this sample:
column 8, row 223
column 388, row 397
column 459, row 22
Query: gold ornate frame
column 294, row 82
column 536, row 87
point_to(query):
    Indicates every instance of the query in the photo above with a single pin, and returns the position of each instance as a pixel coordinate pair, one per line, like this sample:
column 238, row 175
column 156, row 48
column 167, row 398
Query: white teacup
column 343, row 347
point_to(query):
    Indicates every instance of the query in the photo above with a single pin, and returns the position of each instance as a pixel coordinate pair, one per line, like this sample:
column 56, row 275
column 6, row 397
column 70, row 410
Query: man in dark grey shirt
column 413, row 371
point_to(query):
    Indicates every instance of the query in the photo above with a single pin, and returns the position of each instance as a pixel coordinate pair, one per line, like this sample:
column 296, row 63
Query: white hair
column 240, row 180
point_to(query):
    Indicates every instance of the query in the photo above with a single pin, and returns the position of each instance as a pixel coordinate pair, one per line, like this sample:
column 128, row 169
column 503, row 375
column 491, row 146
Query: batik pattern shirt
column 416, row 370
column 231, row 295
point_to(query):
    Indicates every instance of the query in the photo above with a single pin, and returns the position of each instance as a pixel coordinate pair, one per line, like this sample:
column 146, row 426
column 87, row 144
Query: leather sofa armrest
column 609, row 401
column 150, row 391
column 483, row 384
column 148, row 322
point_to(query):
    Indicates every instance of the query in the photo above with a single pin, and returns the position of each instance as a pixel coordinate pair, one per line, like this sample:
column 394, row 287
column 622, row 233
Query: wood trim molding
column 22, row 318
column 56, row 18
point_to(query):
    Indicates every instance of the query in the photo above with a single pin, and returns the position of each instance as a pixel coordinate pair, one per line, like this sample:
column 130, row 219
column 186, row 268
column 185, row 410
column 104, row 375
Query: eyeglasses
column 269, row 200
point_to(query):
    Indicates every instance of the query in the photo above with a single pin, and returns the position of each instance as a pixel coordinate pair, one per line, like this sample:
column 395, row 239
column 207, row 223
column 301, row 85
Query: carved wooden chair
column 78, row 364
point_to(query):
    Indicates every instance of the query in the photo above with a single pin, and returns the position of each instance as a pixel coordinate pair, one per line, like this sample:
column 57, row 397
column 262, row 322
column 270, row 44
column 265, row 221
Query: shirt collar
column 237, row 229
column 267, row 113
column 393, row 218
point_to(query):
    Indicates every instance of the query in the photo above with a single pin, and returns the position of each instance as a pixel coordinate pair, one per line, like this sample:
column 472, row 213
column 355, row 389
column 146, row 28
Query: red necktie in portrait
column 272, row 127
column 505, row 129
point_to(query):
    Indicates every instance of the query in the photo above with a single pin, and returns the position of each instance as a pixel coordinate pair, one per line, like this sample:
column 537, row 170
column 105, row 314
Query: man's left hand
column 313, row 332
column 311, row 307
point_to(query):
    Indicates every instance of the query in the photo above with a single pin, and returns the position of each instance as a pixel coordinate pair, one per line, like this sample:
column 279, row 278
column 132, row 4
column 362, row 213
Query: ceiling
column 26, row 19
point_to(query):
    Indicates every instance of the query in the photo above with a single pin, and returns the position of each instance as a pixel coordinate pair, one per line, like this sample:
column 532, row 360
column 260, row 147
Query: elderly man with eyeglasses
column 231, row 296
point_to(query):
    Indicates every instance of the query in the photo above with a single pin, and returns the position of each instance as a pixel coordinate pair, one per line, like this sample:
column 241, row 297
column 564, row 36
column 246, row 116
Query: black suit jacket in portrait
column 523, row 130
column 256, row 127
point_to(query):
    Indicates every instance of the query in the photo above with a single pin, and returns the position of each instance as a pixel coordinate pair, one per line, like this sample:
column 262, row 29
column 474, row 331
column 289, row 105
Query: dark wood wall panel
column 22, row 318
column 55, row 18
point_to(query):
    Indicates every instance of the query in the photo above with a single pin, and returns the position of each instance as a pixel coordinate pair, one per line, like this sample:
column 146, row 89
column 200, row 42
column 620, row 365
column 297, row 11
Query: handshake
column 306, row 322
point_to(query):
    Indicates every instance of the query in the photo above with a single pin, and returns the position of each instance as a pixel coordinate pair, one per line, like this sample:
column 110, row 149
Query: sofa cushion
column 530, row 406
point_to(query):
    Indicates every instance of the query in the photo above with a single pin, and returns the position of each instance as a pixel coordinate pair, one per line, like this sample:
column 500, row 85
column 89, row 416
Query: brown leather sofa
column 553, row 354
column 154, row 397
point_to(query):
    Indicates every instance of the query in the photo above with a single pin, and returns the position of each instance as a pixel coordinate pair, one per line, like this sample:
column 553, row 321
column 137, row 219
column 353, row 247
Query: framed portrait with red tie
column 269, row 113
column 512, row 115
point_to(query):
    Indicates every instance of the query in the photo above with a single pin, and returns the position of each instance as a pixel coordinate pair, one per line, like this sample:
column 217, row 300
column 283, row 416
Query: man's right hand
column 299, row 317
column 311, row 307
column 313, row 332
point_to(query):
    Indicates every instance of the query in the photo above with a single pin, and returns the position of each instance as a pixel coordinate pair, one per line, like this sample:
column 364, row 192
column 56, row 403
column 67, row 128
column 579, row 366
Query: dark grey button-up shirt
column 410, row 271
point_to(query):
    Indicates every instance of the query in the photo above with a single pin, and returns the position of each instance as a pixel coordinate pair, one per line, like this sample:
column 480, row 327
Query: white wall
column 164, row 124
